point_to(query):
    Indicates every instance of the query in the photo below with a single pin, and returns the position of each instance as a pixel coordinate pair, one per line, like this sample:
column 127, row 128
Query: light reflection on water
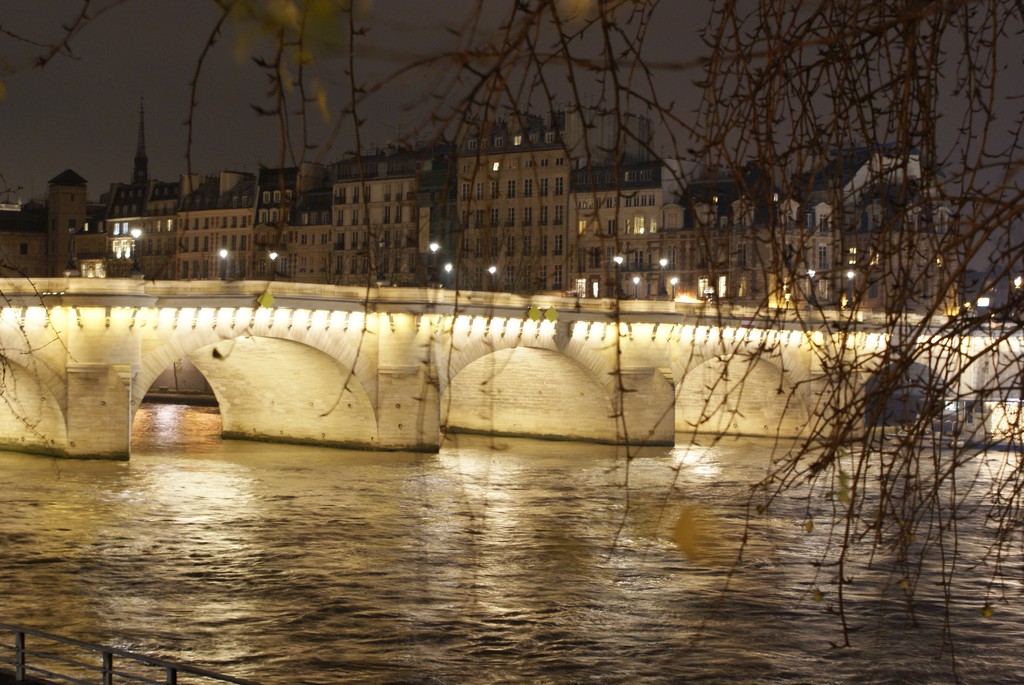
column 495, row 561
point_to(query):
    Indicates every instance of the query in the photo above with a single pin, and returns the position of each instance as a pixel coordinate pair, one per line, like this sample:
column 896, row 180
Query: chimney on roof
column 140, row 173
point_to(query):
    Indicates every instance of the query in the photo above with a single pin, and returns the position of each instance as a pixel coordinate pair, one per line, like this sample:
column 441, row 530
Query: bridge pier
column 647, row 407
column 99, row 413
column 408, row 413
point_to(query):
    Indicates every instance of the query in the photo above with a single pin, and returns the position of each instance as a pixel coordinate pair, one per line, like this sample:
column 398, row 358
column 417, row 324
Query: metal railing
column 68, row 660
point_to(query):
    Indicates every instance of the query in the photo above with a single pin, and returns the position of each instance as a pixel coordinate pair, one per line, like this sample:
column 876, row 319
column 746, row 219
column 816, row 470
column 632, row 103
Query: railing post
column 108, row 668
column 172, row 676
column 19, row 655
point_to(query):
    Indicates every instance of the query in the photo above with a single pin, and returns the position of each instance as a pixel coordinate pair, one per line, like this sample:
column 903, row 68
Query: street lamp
column 136, row 265
column 448, row 272
column 432, row 267
column 273, row 265
column 810, row 286
column 492, row 270
column 674, row 281
column 636, row 287
column 223, row 263
column 850, row 275
column 618, row 274
column 661, row 284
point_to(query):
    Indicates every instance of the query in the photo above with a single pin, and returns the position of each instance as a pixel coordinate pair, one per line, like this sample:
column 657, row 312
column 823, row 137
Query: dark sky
column 81, row 112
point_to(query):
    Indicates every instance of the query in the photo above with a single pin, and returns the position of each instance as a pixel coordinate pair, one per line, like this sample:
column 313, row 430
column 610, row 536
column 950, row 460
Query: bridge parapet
column 393, row 368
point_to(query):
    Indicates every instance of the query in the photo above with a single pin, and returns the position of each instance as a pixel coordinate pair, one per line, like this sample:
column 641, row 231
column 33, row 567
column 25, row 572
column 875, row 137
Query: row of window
column 517, row 140
column 495, row 217
column 473, row 246
column 371, row 193
column 387, row 215
column 511, row 188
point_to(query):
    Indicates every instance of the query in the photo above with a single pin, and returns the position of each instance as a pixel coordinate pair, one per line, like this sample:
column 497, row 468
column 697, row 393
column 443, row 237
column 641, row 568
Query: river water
column 495, row 561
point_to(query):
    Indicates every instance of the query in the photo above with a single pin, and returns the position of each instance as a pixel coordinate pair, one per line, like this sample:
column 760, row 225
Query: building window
column 543, row 187
column 528, row 187
column 559, row 185
column 558, row 245
column 510, row 189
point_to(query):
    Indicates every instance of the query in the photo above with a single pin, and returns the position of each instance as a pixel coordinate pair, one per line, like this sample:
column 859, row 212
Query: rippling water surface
column 495, row 561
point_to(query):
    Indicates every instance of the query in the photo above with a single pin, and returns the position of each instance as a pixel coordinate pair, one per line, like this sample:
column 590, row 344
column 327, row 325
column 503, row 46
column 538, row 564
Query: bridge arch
column 284, row 385
column 529, row 391
column 32, row 401
column 474, row 340
column 741, row 392
column 899, row 394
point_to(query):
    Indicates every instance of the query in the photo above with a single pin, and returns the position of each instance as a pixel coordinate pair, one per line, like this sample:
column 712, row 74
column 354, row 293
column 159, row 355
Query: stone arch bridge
column 395, row 368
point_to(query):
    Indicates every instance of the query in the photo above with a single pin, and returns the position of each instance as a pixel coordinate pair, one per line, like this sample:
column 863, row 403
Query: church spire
column 140, row 174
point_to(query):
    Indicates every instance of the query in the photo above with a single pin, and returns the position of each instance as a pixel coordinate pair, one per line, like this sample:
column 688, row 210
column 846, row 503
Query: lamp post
column 662, row 290
column 636, row 287
column 618, row 274
column 448, row 272
column 810, row 286
column 380, row 263
column 136, row 264
column 432, row 267
column 492, row 270
column 273, row 264
column 674, row 281
column 223, row 264
column 850, row 275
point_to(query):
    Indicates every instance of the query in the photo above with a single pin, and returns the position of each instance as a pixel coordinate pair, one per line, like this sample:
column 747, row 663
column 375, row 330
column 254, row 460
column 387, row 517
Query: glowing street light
column 432, row 277
column 661, row 283
column 636, row 287
column 223, row 264
column 273, row 264
column 674, row 281
column 618, row 274
column 136, row 264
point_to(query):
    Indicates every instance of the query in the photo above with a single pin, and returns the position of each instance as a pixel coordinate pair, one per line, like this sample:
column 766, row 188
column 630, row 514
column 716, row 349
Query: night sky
column 82, row 112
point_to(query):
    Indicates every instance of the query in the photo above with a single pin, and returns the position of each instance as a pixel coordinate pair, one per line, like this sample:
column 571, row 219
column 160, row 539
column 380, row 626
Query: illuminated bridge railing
column 35, row 656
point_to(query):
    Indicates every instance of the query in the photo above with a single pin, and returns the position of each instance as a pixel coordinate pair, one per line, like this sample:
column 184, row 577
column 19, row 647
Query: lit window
column 496, row 166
